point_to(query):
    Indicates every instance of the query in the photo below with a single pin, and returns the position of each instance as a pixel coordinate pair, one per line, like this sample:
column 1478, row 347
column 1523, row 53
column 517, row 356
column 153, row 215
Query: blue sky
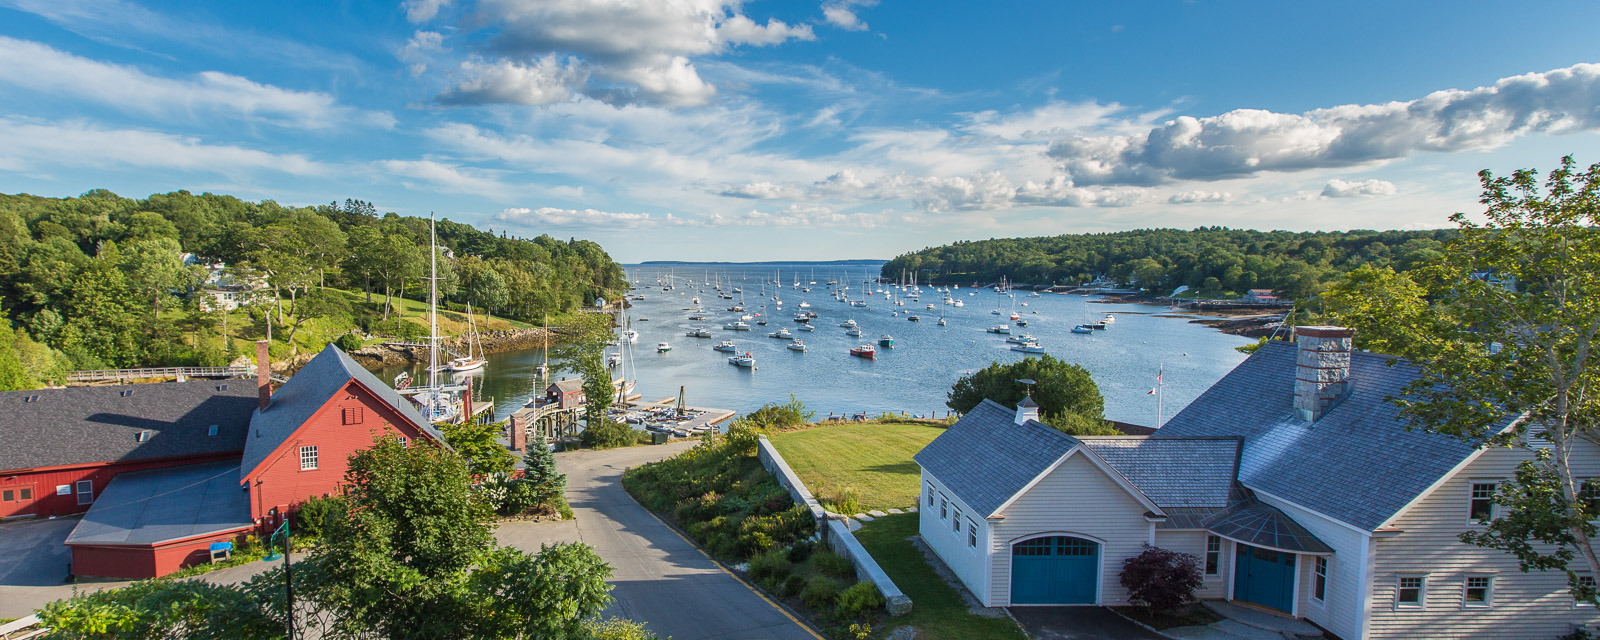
column 701, row 129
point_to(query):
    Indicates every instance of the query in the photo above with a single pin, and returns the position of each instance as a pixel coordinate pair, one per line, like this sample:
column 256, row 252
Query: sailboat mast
column 433, row 306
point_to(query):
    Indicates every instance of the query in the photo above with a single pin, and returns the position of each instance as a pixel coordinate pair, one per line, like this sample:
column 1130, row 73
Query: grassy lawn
column 867, row 464
column 936, row 609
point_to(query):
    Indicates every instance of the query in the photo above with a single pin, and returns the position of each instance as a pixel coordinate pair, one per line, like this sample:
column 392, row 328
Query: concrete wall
column 835, row 532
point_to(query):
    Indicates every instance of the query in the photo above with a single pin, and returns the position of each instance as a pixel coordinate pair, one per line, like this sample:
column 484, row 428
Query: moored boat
column 725, row 345
column 1083, row 328
column 886, row 340
column 1000, row 329
column 864, row 351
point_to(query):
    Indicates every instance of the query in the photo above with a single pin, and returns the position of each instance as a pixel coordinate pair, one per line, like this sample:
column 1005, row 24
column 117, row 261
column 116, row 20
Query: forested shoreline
column 1214, row 261
column 100, row 280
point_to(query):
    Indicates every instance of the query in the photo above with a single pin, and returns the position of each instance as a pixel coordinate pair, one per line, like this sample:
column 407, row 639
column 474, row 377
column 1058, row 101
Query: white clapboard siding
column 1194, row 543
column 1339, row 611
column 966, row 562
column 1525, row 605
column 1076, row 498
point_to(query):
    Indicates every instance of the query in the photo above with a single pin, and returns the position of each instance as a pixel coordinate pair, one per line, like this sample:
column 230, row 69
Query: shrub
column 800, row 550
column 508, row 496
column 772, row 564
column 743, row 437
column 313, row 516
column 833, row 564
column 792, row 586
column 859, row 600
column 820, row 592
column 608, row 434
column 844, row 499
column 617, row 629
column 780, row 416
column 348, row 342
column 1161, row 579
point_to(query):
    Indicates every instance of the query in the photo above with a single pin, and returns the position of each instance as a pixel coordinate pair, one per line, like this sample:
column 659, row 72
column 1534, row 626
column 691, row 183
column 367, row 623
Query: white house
column 1292, row 479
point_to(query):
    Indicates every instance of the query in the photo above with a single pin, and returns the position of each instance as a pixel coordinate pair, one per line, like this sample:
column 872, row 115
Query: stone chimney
column 1322, row 369
column 1027, row 410
column 263, row 374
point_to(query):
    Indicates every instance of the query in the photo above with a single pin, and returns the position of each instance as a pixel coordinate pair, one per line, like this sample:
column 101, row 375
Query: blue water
column 913, row 376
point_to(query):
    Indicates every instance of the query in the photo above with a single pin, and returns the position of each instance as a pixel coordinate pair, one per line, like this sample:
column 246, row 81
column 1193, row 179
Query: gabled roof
column 309, row 390
column 1173, row 472
column 160, row 505
column 1263, row 525
column 568, row 386
column 985, row 458
column 1357, row 463
column 82, row 425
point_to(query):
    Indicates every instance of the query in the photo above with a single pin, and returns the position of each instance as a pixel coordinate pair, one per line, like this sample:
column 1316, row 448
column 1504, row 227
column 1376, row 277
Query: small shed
column 568, row 393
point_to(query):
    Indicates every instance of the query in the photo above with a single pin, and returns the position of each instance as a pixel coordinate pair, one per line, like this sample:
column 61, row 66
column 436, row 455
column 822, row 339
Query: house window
column 1482, row 505
column 1585, row 581
column 1479, row 592
column 404, row 442
column 212, row 430
column 85, row 491
column 972, row 534
column 1319, row 579
column 353, row 415
column 943, row 506
column 142, row 436
column 955, row 523
column 1411, row 591
column 308, row 458
column 930, row 495
column 1589, row 497
column 1213, row 555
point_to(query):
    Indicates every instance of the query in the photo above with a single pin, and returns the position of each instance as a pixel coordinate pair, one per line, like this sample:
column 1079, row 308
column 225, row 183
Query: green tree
column 321, row 303
column 540, row 470
column 1067, row 396
column 176, row 609
column 1389, row 310
column 478, row 442
column 1505, row 352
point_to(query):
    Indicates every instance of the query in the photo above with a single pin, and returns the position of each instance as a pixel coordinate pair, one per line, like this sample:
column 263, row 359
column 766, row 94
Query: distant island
column 668, row 263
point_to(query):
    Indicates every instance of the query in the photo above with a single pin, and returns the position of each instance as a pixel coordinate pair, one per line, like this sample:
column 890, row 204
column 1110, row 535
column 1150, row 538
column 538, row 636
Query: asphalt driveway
column 660, row 578
column 1078, row 623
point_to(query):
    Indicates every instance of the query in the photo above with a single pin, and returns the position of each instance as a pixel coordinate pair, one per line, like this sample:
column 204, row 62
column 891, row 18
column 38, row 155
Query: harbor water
column 913, row 376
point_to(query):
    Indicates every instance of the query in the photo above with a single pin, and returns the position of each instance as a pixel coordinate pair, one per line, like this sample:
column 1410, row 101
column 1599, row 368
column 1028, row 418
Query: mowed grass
column 937, row 611
column 868, row 464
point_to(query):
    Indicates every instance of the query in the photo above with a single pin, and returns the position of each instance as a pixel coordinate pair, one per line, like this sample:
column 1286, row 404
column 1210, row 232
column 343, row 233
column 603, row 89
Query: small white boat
column 737, row 326
column 725, row 345
column 698, row 332
column 797, row 346
column 1021, row 339
column 1028, row 347
column 746, row 360
column 662, row 347
column 960, row 303
column 807, row 327
column 1000, row 329
column 630, row 336
column 854, row 333
column 1083, row 328
column 614, row 360
column 1109, row 319
column 929, row 307
column 805, row 305
column 463, row 364
column 942, row 322
column 849, row 324
column 781, row 334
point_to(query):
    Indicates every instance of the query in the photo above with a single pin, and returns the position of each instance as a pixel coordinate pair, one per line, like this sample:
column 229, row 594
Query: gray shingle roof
column 308, row 390
column 1172, row 472
column 148, row 507
column 80, row 425
column 985, row 457
column 1358, row 463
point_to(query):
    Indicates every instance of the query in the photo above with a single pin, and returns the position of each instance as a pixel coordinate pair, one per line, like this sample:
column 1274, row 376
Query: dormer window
column 142, row 436
column 125, row 393
column 211, row 430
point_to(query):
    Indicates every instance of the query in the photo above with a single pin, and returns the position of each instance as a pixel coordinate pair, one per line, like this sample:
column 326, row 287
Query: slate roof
column 985, row 457
column 1357, row 463
column 1172, row 472
column 568, row 386
column 1263, row 525
column 159, row 505
column 81, row 425
column 308, row 390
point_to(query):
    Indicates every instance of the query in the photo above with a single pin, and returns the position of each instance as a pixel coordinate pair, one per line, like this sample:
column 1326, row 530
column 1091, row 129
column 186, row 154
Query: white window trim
column 79, row 491
column 1322, row 560
column 1216, row 575
column 1580, row 603
column 944, row 507
column 972, row 534
column 1494, row 509
column 316, row 460
column 955, row 523
column 1422, row 591
column 930, row 495
column 1488, row 593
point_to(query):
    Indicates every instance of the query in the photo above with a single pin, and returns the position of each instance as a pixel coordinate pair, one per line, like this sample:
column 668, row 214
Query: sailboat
column 468, row 362
column 436, row 402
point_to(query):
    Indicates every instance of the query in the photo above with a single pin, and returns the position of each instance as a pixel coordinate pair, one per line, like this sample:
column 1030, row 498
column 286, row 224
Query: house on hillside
column 1292, row 480
column 161, row 471
column 1259, row 296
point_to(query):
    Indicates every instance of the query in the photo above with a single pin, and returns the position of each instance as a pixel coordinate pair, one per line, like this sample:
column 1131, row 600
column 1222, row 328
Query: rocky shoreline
column 1239, row 322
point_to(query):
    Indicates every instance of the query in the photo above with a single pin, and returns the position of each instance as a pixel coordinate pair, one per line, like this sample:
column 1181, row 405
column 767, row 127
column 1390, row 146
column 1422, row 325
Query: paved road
column 660, row 578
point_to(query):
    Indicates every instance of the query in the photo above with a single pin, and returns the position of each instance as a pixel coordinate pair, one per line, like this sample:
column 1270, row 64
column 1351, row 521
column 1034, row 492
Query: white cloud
column 544, row 81
column 554, row 217
column 444, row 176
column 1060, row 192
column 1199, row 196
column 763, row 190
column 1337, row 188
column 629, row 52
column 1049, row 120
column 419, row 11
column 1247, row 142
column 842, row 14
column 36, row 144
column 420, row 49
column 39, row 68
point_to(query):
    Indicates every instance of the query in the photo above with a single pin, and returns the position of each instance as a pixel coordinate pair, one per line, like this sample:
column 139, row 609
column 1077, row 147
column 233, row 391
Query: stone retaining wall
column 835, row 532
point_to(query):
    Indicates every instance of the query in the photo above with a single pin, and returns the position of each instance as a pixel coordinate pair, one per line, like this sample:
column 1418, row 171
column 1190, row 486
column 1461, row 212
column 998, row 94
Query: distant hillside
column 674, row 263
column 1214, row 260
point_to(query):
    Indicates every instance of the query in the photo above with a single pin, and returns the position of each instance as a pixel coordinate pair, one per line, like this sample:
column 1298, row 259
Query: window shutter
column 353, row 415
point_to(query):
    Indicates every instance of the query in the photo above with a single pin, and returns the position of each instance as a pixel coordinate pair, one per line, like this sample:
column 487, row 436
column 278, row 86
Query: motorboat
column 942, row 322
column 1000, row 329
column 725, row 345
column 781, row 334
column 886, row 340
column 1083, row 328
column 797, row 346
column 960, row 304
column 1021, row 322
column 1109, row 319
column 662, row 347
column 1028, row 347
column 1098, row 326
column 630, row 336
column 995, row 312
column 746, row 360
column 914, row 318
column 614, row 359
column 698, row 332
column 737, row 326
column 849, row 324
column 929, row 307
column 864, row 351
column 854, row 333
column 1021, row 339
column 698, row 317
column 805, row 305
column 807, row 327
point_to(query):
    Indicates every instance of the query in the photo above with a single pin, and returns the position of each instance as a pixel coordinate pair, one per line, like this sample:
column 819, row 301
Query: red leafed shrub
column 1161, row 579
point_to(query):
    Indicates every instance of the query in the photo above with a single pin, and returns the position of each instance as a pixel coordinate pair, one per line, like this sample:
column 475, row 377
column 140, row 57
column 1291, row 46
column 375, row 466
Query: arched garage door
column 1054, row 570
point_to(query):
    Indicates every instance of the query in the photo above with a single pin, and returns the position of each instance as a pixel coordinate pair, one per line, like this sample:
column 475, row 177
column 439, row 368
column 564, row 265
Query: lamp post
column 288, row 581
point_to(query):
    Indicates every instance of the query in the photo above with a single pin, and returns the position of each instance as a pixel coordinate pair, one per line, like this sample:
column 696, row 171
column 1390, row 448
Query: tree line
column 1216, row 261
column 89, row 277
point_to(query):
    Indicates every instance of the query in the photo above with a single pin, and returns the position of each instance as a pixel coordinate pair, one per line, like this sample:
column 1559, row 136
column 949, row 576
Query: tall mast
column 433, row 308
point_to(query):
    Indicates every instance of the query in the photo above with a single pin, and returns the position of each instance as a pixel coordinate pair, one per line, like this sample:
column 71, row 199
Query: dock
column 708, row 417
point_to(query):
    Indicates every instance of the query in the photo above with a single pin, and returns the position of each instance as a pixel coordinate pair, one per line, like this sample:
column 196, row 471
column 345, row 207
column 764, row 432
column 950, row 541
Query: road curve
column 660, row 578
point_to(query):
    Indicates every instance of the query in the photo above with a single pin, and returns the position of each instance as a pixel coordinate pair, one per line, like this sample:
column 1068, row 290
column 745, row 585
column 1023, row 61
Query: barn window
column 353, row 415
column 27, row 493
column 7, row 496
column 404, row 442
column 1213, row 555
column 85, row 491
column 308, row 458
column 212, row 430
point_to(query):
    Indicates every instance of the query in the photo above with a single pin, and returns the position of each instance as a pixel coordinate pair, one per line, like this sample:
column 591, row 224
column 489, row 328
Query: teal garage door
column 1054, row 570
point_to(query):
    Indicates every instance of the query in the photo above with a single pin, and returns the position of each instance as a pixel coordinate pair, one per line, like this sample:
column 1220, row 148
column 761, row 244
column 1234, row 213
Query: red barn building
column 163, row 470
